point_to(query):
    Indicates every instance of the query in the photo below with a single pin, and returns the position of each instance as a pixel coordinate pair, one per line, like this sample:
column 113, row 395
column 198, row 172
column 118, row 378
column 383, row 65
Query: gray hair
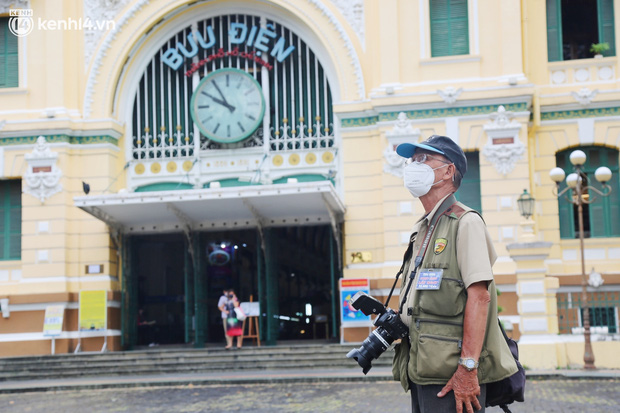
column 457, row 178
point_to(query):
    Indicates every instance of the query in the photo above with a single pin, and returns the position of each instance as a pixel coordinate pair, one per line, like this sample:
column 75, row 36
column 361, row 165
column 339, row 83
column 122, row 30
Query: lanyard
column 443, row 208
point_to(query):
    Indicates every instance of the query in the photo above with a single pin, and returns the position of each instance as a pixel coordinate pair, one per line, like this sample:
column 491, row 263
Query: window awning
column 291, row 204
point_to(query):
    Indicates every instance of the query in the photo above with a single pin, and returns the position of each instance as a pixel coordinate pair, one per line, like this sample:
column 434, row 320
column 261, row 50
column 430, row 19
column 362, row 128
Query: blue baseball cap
column 438, row 144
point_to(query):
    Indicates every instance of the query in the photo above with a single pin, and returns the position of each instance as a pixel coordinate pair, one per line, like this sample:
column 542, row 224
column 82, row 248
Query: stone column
column 537, row 305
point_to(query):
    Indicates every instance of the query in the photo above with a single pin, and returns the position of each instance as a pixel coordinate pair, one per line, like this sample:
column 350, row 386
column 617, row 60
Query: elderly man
column 448, row 299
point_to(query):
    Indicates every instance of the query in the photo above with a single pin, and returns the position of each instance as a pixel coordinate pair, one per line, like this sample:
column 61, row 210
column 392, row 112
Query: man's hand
column 466, row 388
column 463, row 382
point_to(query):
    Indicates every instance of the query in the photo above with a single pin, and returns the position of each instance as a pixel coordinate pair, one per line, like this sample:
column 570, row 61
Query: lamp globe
column 557, row 175
column 602, row 174
column 578, row 157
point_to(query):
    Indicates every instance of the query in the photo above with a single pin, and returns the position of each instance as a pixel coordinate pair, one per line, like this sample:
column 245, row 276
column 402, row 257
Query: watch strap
column 465, row 362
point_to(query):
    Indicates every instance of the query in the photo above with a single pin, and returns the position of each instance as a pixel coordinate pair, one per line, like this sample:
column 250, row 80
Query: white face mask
column 419, row 178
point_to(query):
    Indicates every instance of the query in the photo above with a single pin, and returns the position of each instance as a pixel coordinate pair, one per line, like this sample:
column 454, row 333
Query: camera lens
column 375, row 344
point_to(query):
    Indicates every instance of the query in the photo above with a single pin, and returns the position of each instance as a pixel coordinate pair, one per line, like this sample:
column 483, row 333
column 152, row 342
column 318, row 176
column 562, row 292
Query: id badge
column 429, row 279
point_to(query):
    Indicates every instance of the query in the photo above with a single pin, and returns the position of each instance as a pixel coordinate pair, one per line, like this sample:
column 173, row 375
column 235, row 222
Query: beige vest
column 436, row 323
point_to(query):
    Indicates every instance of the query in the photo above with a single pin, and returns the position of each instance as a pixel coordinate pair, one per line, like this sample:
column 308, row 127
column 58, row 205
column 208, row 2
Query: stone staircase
column 156, row 361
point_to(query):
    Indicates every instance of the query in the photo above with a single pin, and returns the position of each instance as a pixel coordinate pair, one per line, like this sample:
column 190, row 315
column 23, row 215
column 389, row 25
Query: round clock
column 228, row 105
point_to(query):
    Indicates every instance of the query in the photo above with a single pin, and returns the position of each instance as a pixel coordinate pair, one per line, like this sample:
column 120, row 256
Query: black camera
column 389, row 328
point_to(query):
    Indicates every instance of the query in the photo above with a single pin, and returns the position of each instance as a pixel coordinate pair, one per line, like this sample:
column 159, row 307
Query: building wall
column 75, row 89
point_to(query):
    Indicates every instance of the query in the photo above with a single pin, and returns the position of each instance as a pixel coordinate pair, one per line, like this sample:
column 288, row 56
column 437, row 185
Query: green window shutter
column 440, row 28
column 603, row 221
column 606, row 31
column 597, row 216
column 10, row 220
column 459, row 29
column 565, row 208
column 554, row 31
column 449, row 27
column 4, row 239
column 611, row 203
column 469, row 192
column 567, row 227
column 9, row 73
column 604, row 212
column 15, row 220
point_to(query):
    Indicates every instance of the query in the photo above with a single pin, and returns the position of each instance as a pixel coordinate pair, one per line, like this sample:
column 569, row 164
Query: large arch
column 144, row 27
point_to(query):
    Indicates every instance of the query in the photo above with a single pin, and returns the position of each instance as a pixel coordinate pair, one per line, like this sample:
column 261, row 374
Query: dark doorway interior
column 231, row 262
column 301, row 302
column 160, row 271
column 301, row 267
column 304, row 286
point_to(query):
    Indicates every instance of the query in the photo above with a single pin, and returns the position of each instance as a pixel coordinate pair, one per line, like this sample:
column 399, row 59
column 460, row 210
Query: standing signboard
column 349, row 316
column 52, row 325
column 93, row 315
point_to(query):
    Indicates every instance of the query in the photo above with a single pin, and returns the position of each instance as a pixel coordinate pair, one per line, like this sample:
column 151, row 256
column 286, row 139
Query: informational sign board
column 93, row 310
column 251, row 308
column 52, row 326
column 349, row 316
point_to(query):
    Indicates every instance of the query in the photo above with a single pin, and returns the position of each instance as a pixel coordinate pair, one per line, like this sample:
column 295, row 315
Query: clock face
column 228, row 105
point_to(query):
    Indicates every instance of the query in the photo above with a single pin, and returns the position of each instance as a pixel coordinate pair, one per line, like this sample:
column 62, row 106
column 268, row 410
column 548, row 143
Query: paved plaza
column 543, row 396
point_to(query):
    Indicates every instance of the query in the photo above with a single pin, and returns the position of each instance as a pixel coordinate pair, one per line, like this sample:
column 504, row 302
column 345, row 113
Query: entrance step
column 170, row 361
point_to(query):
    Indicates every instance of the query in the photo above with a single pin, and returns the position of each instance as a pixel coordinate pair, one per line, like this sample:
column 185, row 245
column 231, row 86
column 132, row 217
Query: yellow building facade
column 119, row 177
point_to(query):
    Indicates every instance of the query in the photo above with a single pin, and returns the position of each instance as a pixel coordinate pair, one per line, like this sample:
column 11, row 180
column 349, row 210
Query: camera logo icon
column 21, row 22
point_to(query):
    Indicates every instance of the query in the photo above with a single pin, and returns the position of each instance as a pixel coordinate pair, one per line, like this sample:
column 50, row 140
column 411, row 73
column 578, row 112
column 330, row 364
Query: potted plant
column 598, row 49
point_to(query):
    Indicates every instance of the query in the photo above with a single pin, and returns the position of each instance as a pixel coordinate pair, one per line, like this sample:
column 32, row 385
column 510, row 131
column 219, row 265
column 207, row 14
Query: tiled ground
column 546, row 396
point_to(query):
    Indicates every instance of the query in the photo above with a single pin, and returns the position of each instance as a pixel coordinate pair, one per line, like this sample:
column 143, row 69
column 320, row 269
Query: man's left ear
column 451, row 170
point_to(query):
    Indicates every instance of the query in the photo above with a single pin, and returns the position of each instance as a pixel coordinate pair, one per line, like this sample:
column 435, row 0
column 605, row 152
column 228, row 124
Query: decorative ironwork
column 579, row 192
column 296, row 88
column 603, row 317
column 255, row 140
column 302, row 135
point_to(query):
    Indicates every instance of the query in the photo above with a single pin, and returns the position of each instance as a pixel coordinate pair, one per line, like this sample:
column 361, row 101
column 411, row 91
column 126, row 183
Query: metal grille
column 603, row 312
column 301, row 113
column 300, row 103
column 162, row 127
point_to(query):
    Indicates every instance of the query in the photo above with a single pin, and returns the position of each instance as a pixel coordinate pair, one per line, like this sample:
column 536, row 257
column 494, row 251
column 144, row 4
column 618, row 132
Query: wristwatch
column 469, row 363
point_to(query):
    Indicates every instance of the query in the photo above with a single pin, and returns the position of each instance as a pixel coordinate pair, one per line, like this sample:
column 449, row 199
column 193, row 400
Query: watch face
column 228, row 105
column 470, row 364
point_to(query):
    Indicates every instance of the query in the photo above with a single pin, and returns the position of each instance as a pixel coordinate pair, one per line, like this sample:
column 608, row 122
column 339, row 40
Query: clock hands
column 223, row 102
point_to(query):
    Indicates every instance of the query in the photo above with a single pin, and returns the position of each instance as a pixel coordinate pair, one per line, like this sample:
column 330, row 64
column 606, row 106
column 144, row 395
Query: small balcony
column 582, row 71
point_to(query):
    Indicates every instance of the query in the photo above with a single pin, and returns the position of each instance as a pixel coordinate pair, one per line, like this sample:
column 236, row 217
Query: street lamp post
column 577, row 183
column 525, row 203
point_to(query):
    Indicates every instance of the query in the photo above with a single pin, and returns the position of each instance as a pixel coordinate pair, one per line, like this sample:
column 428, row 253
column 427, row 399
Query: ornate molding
column 402, row 132
column 450, row 94
column 135, row 8
column 347, row 43
column 43, row 176
column 7, row 5
column 98, row 59
column 97, row 11
column 353, row 11
column 584, row 96
column 503, row 148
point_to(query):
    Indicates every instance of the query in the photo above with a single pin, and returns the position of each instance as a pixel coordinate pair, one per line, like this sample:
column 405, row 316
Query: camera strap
column 443, row 208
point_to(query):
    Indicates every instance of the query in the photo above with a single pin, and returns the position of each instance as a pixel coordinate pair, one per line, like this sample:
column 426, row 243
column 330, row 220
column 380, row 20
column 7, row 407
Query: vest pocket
column 437, row 356
column 400, row 363
column 448, row 301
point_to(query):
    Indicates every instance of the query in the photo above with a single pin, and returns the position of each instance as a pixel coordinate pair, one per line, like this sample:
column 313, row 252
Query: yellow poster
column 54, row 314
column 93, row 311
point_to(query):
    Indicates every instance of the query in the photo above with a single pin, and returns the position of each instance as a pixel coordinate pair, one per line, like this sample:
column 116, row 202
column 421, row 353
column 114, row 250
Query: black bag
column 511, row 389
